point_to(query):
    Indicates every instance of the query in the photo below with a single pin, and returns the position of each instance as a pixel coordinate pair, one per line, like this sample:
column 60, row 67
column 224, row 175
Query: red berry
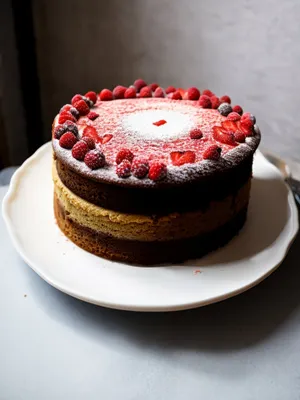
column 82, row 107
column 76, row 98
column 193, row 93
column 213, row 152
column 140, row 167
column 59, row 130
column 160, row 122
column 92, row 96
column 248, row 116
column 139, row 84
column 106, row 95
column 94, row 159
column 225, row 99
column 90, row 131
column 237, row 109
column 89, row 141
column 124, row 154
column 67, row 140
column 247, row 122
column 123, row 170
column 106, row 138
column 175, row 95
column 79, row 150
column 215, row 102
column 92, row 115
column 153, row 86
column 205, row 101
column 71, row 127
column 130, row 93
column 119, row 92
column 182, row 157
column 220, row 135
column 170, row 89
column 229, row 126
column 159, row 92
column 66, row 116
column 233, row 116
column 66, row 107
column 239, row 136
column 196, row 134
column 208, row 93
column 145, row 92
column 157, row 171
column 246, row 127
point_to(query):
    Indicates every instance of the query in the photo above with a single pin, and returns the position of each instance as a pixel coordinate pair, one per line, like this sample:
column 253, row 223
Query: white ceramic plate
column 249, row 258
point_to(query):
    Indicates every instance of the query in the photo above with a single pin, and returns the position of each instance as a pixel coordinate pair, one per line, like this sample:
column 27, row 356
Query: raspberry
column 106, row 138
column 237, row 109
column 67, row 140
column 193, row 93
column 247, row 122
column 160, row 122
column 90, row 131
column 123, row 170
column 229, row 126
column 74, row 112
column 66, row 107
column 65, row 116
column 225, row 99
column 92, row 115
column 140, row 167
column 208, row 93
column 89, row 141
column 157, row 171
column 215, row 102
column 106, row 95
column 94, row 159
column 139, row 84
column 71, row 127
column 124, row 154
column 145, row 92
column 119, row 92
column 82, row 107
column 153, row 86
column 170, row 89
column 205, row 101
column 220, row 135
column 213, row 152
column 76, row 98
column 175, row 95
column 196, row 134
column 92, row 96
column 130, row 93
column 88, row 101
column 246, row 127
column 233, row 116
column 182, row 157
column 159, row 92
column 225, row 109
column 59, row 130
column 247, row 115
column 79, row 150
column 239, row 137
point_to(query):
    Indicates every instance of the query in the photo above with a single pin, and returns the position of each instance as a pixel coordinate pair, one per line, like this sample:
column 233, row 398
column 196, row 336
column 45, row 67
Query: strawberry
column 82, row 107
column 220, row 135
column 76, row 98
column 94, row 159
column 146, row 92
column 92, row 96
column 159, row 92
column 212, row 152
column 157, row 171
column 89, row 141
column 239, row 136
column 130, row 93
column 229, row 126
column 106, row 138
column 182, row 157
column 153, row 86
column 92, row 115
column 67, row 140
column 215, row 102
column 124, row 154
column 208, row 93
column 196, row 134
column 119, row 92
column 140, row 167
column 123, row 170
column 106, row 95
column 65, row 116
column 71, row 127
column 233, row 116
column 59, row 130
column 225, row 99
column 204, row 101
column 170, row 89
column 90, row 131
column 193, row 93
column 246, row 128
column 160, row 122
column 139, row 84
column 175, row 95
column 238, row 109
column 79, row 150
column 248, row 116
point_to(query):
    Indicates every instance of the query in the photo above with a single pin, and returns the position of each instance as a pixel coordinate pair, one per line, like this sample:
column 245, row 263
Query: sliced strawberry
column 182, row 91
column 239, row 137
column 220, row 135
column 229, row 126
column 246, row 129
column 182, row 157
column 106, row 138
column 90, row 131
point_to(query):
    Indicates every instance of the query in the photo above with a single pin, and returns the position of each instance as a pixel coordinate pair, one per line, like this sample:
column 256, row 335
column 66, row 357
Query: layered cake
column 147, row 175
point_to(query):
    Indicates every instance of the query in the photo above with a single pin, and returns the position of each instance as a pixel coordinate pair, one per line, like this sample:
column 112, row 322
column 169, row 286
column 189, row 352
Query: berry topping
column 66, row 107
column 159, row 92
column 124, row 154
column 65, row 116
column 160, row 122
column 146, row 92
column 94, row 159
column 74, row 112
column 79, row 150
column 157, row 171
column 67, row 140
column 233, row 116
column 182, row 157
column 92, row 96
column 140, row 167
column 215, row 102
column 89, row 141
column 225, row 109
column 225, row 99
column 248, row 116
column 130, row 93
column 196, row 134
column 175, row 95
column 239, row 136
column 153, row 86
column 71, row 127
column 76, row 98
column 123, row 170
column 229, row 126
column 90, row 131
column 193, row 93
column 59, row 130
column 212, row 152
column 82, row 107
column 170, row 89
column 220, row 135
column 208, row 93
column 139, row 84
column 205, row 101
column 106, row 138
column 119, row 92
column 246, row 127
column 106, row 95
column 237, row 109
column 92, row 115
column 88, row 101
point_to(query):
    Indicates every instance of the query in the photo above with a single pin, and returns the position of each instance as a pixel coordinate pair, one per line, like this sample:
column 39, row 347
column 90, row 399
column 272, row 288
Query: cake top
column 150, row 136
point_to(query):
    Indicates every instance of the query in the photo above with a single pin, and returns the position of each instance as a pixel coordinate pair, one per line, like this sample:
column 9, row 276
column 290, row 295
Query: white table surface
column 53, row 346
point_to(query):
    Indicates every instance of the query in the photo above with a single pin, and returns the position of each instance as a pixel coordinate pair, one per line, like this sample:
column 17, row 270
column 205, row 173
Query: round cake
column 148, row 175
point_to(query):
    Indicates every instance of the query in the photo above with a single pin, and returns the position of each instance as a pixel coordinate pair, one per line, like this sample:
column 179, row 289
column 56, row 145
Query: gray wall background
column 248, row 49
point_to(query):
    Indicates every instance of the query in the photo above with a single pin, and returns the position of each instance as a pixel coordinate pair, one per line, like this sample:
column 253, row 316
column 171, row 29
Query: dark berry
column 225, row 109
column 59, row 130
column 71, row 127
